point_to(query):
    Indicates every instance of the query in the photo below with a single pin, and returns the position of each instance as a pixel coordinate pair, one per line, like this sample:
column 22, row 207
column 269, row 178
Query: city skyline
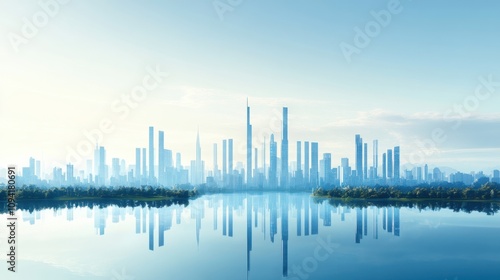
column 281, row 174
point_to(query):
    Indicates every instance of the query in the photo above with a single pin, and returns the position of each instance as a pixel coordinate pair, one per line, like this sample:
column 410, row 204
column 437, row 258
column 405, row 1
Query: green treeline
column 488, row 191
column 147, row 192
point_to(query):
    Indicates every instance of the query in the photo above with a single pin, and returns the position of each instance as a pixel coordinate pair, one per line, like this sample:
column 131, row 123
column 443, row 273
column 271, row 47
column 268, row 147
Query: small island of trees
column 487, row 191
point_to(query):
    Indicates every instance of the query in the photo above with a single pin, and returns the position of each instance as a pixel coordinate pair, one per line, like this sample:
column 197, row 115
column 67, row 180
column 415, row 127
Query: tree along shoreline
column 144, row 193
column 489, row 192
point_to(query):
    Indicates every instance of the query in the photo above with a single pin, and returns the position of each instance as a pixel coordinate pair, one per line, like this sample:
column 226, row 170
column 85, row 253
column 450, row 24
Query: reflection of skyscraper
column 284, row 234
column 144, row 214
column 327, row 214
column 314, row 219
column 299, row 216
column 151, row 228
column 164, row 223
column 137, row 212
column 273, row 219
column 384, row 218
column 230, row 221
column 359, row 225
column 249, row 231
column 365, row 219
column 396, row 221
column 306, row 162
column 389, row 219
column 284, row 150
column 224, row 217
column 306, row 216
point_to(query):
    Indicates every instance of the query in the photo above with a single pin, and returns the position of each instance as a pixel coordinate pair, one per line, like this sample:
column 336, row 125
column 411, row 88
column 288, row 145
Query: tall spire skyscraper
column 284, row 150
column 198, row 164
column 249, row 148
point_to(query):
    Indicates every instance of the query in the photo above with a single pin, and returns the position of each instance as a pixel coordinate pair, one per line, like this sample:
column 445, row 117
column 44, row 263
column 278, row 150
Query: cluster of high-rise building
column 156, row 165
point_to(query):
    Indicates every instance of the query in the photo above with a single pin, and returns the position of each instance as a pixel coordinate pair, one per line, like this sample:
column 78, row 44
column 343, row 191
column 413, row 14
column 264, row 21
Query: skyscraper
column 365, row 161
column 359, row 156
column 216, row 167
column 69, row 174
column 224, row 161
column 144, row 166
column 384, row 166
column 137, row 163
column 151, row 156
column 96, row 162
column 102, row 166
column 230, row 161
column 375, row 159
column 306, row 162
column 161, row 157
column 314, row 164
column 426, row 173
column 284, row 150
column 249, row 147
column 298, row 173
column 327, row 161
column 389, row 164
column 396, row 162
column 273, row 167
column 264, row 159
column 197, row 168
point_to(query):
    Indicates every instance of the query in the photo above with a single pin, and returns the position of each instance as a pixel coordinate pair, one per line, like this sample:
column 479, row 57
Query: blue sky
column 429, row 58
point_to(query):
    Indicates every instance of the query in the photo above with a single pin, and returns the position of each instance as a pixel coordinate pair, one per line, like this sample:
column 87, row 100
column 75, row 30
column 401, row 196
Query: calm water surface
column 255, row 236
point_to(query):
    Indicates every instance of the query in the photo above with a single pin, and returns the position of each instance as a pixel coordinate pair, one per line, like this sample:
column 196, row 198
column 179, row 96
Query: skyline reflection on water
column 257, row 236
